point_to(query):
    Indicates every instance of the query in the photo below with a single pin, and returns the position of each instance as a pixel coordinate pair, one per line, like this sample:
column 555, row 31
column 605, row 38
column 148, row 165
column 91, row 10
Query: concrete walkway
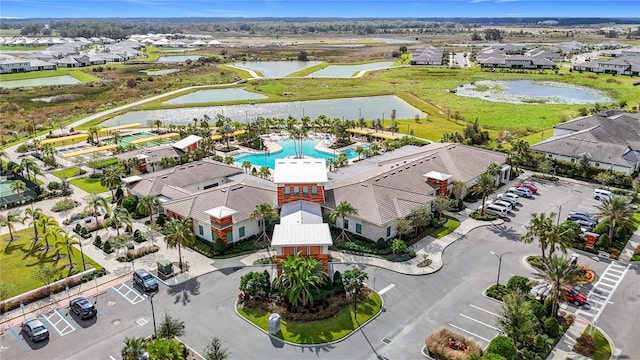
column 563, row 349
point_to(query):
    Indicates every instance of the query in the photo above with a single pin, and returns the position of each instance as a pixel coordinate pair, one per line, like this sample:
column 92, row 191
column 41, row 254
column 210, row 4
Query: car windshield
column 38, row 329
column 146, row 276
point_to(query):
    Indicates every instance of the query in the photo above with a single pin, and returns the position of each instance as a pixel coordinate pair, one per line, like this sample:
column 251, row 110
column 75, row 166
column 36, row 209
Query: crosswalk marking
column 600, row 294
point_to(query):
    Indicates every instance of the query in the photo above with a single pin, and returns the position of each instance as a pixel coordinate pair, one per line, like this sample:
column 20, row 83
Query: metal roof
column 300, row 171
column 301, row 235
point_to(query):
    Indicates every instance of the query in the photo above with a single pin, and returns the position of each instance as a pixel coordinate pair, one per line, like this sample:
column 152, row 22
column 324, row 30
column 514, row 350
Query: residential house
column 427, row 55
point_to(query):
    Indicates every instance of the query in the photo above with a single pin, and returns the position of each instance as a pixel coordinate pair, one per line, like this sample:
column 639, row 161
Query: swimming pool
column 288, row 149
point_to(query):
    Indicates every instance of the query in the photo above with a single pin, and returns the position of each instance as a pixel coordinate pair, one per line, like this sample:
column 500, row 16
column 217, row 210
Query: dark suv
column 145, row 280
column 83, row 308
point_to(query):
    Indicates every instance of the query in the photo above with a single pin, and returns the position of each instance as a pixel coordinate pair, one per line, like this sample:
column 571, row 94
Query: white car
column 524, row 192
column 512, row 198
column 499, row 202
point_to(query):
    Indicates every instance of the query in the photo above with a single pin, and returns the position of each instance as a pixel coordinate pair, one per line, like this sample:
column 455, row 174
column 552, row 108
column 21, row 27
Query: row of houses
column 427, row 55
column 629, row 65
column 51, row 41
column 514, row 56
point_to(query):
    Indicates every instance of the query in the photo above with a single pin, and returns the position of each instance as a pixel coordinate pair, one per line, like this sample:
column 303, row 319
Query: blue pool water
column 288, row 149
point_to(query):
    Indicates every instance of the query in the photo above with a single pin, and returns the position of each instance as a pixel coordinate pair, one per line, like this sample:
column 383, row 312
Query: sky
column 314, row 8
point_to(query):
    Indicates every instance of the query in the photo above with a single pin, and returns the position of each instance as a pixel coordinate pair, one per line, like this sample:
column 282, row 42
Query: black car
column 35, row 330
column 83, row 308
column 585, row 215
column 145, row 280
column 585, row 223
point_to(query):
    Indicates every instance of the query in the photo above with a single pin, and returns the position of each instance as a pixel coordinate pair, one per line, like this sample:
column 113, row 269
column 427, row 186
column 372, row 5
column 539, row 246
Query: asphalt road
column 415, row 305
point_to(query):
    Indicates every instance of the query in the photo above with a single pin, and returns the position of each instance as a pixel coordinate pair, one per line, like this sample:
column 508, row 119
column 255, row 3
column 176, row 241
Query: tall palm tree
column 3, row 154
column 265, row 213
column 540, row 226
column 157, row 124
column 615, row 211
column 50, row 228
column 358, row 150
column 18, row 187
column 66, row 241
column 264, row 172
column 133, row 348
column 95, row 203
column 112, row 178
column 246, row 165
column 485, row 186
column 557, row 271
column 29, row 165
column 561, row 236
column 150, row 204
column 12, row 217
column 178, row 234
column 342, row 210
column 119, row 216
column 458, row 188
column 33, row 215
column 298, row 277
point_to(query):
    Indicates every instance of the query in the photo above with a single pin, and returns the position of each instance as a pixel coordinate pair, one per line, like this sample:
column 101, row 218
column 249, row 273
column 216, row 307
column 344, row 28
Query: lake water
column 371, row 107
column 276, row 68
column 345, row 71
column 45, row 81
column 394, row 41
column 177, row 59
column 532, row 92
column 213, row 95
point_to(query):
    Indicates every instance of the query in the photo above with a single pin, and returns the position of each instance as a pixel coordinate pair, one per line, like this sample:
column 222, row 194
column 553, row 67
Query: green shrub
column 62, row 205
column 546, row 177
column 503, row 346
column 219, row 246
column 519, row 282
column 538, row 309
column 484, row 217
column 202, row 246
column 98, row 242
column 552, row 327
column 130, row 203
column 535, row 261
column 497, row 292
column 492, row 356
column 541, row 343
column 382, row 244
column 106, row 247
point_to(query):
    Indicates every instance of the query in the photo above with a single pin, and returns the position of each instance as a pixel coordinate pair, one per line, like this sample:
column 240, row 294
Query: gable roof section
column 186, row 142
column 301, row 235
column 300, row 171
column 301, row 212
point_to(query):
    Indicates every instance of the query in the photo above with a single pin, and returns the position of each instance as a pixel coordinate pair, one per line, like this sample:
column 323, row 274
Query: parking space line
column 481, row 309
column 137, row 296
column 20, row 340
column 69, row 326
column 470, row 333
column 479, row 322
column 387, row 288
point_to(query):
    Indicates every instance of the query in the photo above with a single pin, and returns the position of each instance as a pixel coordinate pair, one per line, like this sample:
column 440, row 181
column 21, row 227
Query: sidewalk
column 563, row 350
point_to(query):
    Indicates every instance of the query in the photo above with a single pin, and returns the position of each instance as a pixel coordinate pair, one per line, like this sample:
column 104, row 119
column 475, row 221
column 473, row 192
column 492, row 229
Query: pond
column 44, row 81
column 177, row 59
column 345, row 71
column 371, row 107
column 276, row 68
column 394, row 41
column 213, row 95
column 532, row 92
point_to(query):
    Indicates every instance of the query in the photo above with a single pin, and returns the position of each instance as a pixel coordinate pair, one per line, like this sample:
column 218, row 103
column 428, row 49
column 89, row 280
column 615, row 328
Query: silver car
column 35, row 330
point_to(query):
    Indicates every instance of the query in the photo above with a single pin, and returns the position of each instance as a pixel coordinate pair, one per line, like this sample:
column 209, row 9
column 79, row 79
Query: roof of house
column 301, row 235
column 153, row 154
column 241, row 196
column 220, row 212
column 622, row 129
column 182, row 176
column 300, row 171
column 301, row 212
column 186, row 142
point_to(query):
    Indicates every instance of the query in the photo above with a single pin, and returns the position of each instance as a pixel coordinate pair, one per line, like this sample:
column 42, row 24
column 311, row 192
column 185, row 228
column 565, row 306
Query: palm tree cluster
column 299, row 276
column 178, row 233
column 550, row 235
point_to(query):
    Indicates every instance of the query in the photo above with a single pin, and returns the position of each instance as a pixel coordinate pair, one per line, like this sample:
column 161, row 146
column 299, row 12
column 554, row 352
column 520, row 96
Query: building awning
column 90, row 151
column 359, row 131
column 120, row 127
column 186, row 142
column 64, row 138
column 154, row 138
column 384, row 136
column 130, row 179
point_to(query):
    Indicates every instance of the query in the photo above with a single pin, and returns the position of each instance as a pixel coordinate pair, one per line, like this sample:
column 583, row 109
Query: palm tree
column 343, row 210
column 358, row 150
column 133, row 348
column 33, row 215
column 561, row 236
column 165, row 349
column 149, row 203
column 18, row 187
column 540, row 226
column 265, row 213
column 12, row 217
column 112, row 178
column 66, row 241
column 458, row 188
column 246, row 165
column 299, row 275
column 264, row 172
column 3, row 154
column 557, row 271
column 178, row 234
column 157, row 124
column 29, row 165
column 615, row 211
column 95, row 203
column 50, row 228
column 486, row 185
column 119, row 216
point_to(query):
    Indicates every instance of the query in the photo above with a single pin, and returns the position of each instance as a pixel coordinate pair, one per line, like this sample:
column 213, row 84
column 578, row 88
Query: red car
column 528, row 186
column 574, row 296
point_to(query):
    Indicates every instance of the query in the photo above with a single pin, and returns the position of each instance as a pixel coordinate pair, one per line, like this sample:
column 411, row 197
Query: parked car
column 586, row 215
column 83, row 308
column 499, row 202
column 494, row 210
column 35, row 330
column 600, row 194
column 574, row 296
column 584, row 224
column 529, row 186
column 512, row 198
column 524, row 192
column 145, row 280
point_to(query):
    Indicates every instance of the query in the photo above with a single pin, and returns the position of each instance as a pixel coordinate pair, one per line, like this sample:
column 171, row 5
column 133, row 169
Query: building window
column 287, row 191
column 597, row 164
column 550, row 155
column 358, row 228
column 314, row 190
column 305, row 190
column 573, row 160
column 241, row 232
column 200, row 230
column 213, row 236
column 229, row 237
column 388, row 231
column 345, row 224
column 296, row 190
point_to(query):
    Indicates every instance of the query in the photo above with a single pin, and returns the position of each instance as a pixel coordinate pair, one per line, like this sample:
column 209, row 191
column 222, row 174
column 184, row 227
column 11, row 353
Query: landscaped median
column 316, row 332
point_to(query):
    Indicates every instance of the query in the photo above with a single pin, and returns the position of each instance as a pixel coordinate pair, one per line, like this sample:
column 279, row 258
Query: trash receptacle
column 165, row 267
column 274, row 324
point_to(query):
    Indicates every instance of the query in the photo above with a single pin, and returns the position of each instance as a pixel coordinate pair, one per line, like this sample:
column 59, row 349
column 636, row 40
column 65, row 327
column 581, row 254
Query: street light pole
column 559, row 212
column 153, row 313
column 499, row 264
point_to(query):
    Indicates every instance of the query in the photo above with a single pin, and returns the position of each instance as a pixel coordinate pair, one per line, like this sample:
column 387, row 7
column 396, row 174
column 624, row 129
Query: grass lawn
column 603, row 349
column 452, row 224
column 321, row 331
column 19, row 261
column 101, row 164
column 66, row 173
column 89, row 185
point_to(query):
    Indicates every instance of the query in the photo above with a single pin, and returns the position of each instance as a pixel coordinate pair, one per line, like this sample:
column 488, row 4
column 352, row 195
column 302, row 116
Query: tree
column 403, row 226
column 215, row 351
column 557, row 271
column 256, row 284
column 458, row 188
column 29, row 165
column 170, row 327
column 398, row 246
column 119, row 217
column 66, row 241
column 584, row 165
column 493, row 169
column 178, row 234
column 486, row 185
column 540, row 226
column 33, row 215
column 441, row 204
column 358, row 150
column 51, row 229
column 516, row 320
column 12, row 217
column 605, row 178
column 562, row 236
column 246, row 165
column 266, row 214
column 519, row 153
column 419, row 217
column 165, row 349
column 149, row 203
column 96, row 203
column 616, row 212
column 18, row 187
column 264, row 172
column 133, row 348
column 46, row 274
column 341, row 211
column 302, row 56
column 503, row 346
column 112, row 178
column 298, row 277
